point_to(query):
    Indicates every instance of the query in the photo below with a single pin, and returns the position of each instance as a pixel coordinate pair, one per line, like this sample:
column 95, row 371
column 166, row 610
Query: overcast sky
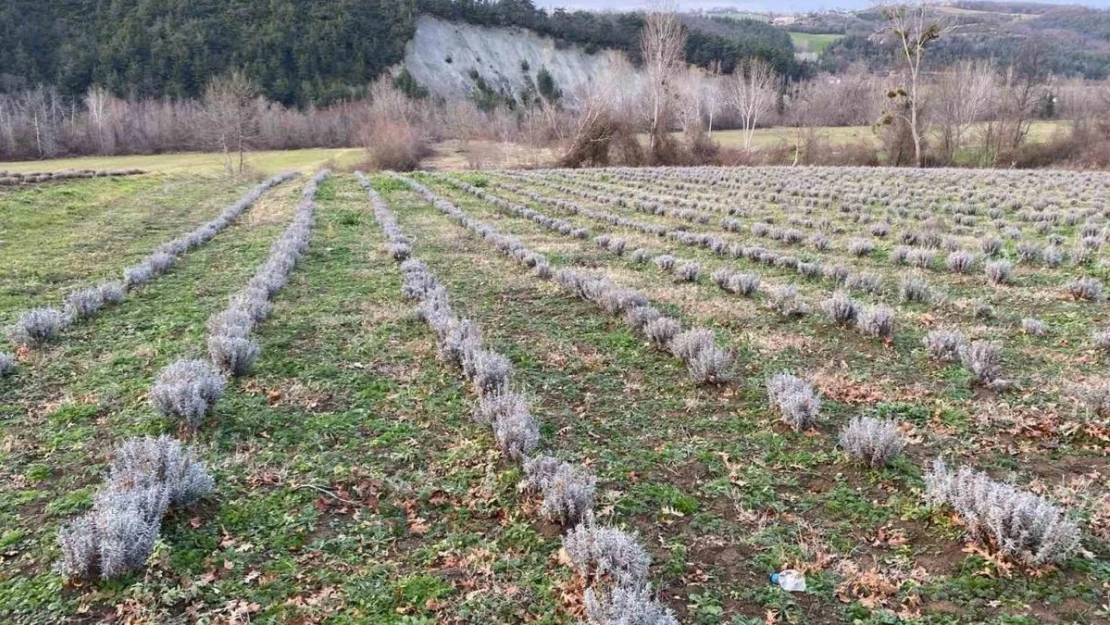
column 778, row 6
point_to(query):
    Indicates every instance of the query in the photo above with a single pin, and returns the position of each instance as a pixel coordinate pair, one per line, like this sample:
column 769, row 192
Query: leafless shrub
column 875, row 441
column 1017, row 523
column 745, row 284
column 795, row 400
column 704, row 360
column 991, row 246
column 489, row 372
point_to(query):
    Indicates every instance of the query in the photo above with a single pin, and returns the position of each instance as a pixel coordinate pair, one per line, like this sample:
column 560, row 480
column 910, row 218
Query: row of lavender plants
column 611, row 561
column 919, row 248
column 150, row 476
column 1019, row 524
column 927, row 211
column 40, row 325
column 982, row 359
column 705, row 362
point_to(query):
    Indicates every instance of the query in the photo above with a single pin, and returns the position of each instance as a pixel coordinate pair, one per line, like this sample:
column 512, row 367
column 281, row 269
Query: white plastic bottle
column 790, row 580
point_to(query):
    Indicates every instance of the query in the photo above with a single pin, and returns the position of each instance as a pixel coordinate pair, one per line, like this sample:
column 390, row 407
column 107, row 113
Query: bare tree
column 751, row 90
column 231, row 118
column 964, row 94
column 663, row 47
column 711, row 93
column 914, row 26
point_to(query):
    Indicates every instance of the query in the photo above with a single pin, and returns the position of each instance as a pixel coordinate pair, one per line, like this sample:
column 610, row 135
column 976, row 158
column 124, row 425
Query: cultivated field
column 427, row 398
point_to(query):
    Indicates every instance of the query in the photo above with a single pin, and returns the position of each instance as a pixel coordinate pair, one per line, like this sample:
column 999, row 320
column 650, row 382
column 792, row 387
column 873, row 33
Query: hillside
column 460, row 60
column 300, row 52
column 1069, row 40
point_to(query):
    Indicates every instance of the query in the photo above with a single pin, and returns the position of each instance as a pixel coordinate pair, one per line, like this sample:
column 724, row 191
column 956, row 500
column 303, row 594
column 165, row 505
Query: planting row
column 40, row 325
column 1017, row 524
column 612, row 562
column 149, row 476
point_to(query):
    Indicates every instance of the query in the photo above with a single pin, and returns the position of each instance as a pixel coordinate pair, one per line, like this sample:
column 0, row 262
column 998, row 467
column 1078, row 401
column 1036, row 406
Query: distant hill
column 1072, row 40
column 299, row 52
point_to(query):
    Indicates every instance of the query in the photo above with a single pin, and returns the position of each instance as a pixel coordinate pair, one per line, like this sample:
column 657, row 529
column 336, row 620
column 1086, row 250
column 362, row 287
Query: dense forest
column 298, row 52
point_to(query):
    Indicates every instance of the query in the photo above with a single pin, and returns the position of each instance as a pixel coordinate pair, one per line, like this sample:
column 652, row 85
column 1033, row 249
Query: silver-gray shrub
column 606, row 554
column 567, row 489
column 783, row 299
column 944, row 345
column 517, row 432
column 914, row 289
column 960, row 261
column 160, row 462
column 875, row 441
column 489, row 372
column 459, row 339
column 999, row 271
column 665, row 262
column 688, row 272
column 626, row 606
column 794, row 398
column 637, row 317
column 721, row 278
column 1017, row 523
column 1033, row 327
column 705, row 362
column 36, row 326
column 495, row 405
column 116, row 537
column 840, row 308
column 877, row 321
column 7, row 364
column 867, row 282
column 991, row 246
column 1029, row 252
column 641, row 255
column 233, row 354
column 660, row 331
column 1087, row 289
column 187, row 390
column 745, row 284
column 111, row 292
column 860, row 247
column 984, row 360
column 84, row 303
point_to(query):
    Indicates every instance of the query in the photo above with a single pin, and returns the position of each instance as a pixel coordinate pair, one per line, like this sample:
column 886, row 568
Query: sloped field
column 431, row 384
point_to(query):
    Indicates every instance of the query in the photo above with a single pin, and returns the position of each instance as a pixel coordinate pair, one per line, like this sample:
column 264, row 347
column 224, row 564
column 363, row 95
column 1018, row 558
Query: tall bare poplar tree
column 663, row 47
column 914, row 26
column 751, row 91
column 231, row 118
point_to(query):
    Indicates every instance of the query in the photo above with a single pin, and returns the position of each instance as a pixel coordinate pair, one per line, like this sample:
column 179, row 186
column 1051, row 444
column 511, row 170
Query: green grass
column 266, row 162
column 353, row 486
column 814, row 43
